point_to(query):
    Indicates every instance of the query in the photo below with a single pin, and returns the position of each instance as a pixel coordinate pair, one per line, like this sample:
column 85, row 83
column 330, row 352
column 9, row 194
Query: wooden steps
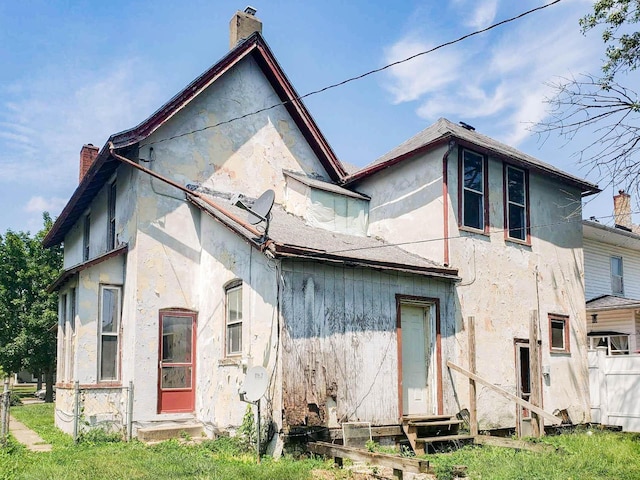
column 424, row 430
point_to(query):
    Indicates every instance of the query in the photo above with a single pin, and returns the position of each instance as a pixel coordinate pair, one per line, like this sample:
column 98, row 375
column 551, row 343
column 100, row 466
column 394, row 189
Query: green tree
column 28, row 312
column 601, row 106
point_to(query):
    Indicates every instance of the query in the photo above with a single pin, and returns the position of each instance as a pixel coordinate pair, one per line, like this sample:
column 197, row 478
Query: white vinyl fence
column 614, row 382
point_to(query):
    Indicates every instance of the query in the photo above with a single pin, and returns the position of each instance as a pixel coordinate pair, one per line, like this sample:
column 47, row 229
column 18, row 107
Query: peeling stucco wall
column 499, row 286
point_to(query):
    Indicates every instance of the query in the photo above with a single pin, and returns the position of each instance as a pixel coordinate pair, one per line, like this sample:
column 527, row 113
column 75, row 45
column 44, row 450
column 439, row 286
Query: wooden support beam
column 535, row 372
column 396, row 462
column 473, row 408
column 552, row 418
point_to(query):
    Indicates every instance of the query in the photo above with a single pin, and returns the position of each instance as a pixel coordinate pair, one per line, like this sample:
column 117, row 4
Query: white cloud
column 503, row 85
column 39, row 204
column 43, row 128
column 424, row 74
column 483, row 15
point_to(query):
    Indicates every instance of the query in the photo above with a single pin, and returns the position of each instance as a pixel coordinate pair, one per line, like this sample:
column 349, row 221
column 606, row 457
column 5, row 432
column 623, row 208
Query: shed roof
column 612, row 302
column 290, row 236
column 444, row 130
column 104, row 165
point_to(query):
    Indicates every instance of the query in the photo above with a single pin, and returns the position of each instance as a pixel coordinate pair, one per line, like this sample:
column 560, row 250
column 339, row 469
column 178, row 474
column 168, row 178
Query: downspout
column 445, row 201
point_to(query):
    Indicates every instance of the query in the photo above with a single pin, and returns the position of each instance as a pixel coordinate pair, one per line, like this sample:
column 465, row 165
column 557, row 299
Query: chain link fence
column 84, row 411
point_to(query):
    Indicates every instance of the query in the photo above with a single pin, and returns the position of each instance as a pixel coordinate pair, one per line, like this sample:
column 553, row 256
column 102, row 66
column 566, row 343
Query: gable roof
column 104, row 165
column 290, row 236
column 443, row 131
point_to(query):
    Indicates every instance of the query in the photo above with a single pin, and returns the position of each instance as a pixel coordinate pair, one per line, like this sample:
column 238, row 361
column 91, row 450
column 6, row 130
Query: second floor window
column 473, row 196
column 617, row 283
column 516, row 203
column 234, row 319
column 86, row 238
column 111, row 217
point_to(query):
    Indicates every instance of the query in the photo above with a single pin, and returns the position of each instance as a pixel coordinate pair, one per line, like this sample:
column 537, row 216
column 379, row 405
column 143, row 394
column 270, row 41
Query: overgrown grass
column 222, row 459
column 596, row 455
column 583, row 454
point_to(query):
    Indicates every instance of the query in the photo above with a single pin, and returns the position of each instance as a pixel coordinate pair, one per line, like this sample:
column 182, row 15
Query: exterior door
column 523, row 386
column 418, row 360
column 176, row 386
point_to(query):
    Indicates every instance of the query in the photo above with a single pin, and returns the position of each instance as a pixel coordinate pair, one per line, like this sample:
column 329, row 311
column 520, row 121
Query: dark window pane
column 557, row 334
column 176, row 377
column 234, row 338
column 473, row 171
column 473, row 210
column 515, row 179
column 176, row 339
column 108, row 359
column 517, row 226
column 109, row 310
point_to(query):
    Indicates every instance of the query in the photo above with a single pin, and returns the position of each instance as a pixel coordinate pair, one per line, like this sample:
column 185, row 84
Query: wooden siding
column 597, row 269
column 340, row 345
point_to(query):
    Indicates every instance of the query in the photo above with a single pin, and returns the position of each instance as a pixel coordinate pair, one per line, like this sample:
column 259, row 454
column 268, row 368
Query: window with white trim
column 473, row 190
column 616, row 344
column 62, row 340
column 516, row 203
column 109, row 335
column 617, row 281
column 233, row 301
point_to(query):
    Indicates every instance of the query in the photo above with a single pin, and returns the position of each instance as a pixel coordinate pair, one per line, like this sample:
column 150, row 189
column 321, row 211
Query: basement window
column 559, row 333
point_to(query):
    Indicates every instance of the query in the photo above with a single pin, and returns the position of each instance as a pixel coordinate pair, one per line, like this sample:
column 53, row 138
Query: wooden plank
column 405, row 464
column 440, row 423
column 537, row 423
column 376, row 432
column 443, row 438
column 473, row 407
column 516, row 444
column 504, row 393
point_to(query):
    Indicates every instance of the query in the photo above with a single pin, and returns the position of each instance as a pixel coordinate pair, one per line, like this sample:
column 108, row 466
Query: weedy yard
column 580, row 455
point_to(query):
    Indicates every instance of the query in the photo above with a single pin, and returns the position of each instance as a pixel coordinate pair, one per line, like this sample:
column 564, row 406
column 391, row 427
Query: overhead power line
column 363, row 75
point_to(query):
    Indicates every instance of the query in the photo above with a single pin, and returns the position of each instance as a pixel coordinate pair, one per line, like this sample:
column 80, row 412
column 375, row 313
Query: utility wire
column 358, row 77
column 494, row 230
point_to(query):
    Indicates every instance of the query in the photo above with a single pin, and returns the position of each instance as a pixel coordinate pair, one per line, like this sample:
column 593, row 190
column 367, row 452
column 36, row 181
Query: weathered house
column 353, row 300
column 507, row 223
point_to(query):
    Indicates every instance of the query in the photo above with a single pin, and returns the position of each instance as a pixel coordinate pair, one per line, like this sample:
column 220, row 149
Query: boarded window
column 111, row 217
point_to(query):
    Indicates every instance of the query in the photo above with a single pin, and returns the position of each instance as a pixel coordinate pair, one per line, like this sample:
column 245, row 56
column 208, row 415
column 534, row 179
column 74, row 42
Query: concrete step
column 160, row 433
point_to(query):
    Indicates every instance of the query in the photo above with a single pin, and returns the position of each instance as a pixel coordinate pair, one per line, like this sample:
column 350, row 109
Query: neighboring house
column 353, row 300
column 612, row 281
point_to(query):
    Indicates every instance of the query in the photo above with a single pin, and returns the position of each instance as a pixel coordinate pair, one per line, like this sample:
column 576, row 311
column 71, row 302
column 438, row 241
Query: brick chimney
column 622, row 210
column 242, row 25
column 88, row 154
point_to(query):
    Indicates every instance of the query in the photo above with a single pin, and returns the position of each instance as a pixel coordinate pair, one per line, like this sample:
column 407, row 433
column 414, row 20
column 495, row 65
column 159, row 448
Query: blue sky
column 74, row 72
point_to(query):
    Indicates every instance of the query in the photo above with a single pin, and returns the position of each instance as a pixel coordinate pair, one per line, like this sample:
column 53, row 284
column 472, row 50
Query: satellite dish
column 261, row 209
column 255, row 384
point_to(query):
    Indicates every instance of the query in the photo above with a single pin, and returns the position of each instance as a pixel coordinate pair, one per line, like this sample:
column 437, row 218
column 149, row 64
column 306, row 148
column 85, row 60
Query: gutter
column 445, row 201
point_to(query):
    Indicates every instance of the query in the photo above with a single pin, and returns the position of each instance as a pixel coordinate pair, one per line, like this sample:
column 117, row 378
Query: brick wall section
column 88, row 154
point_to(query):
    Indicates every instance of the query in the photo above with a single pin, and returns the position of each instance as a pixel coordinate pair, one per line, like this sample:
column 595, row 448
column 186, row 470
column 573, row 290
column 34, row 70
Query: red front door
column 176, row 386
